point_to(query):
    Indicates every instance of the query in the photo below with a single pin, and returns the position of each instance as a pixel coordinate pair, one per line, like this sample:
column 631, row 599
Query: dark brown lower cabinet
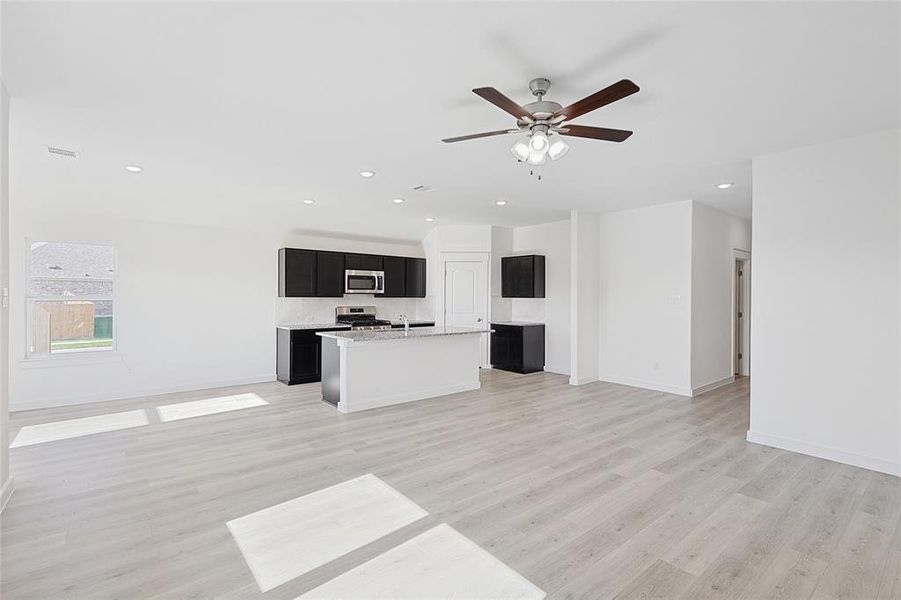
column 299, row 355
column 518, row 348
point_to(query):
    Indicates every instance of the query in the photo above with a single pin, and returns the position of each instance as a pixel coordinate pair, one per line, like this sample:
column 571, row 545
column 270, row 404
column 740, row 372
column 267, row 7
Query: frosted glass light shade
column 520, row 150
column 537, row 158
column 538, row 142
column 557, row 149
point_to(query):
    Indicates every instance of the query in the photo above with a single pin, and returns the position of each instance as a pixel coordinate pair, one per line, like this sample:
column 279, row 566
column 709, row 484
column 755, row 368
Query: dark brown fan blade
column 596, row 133
column 498, row 99
column 617, row 91
column 474, row 136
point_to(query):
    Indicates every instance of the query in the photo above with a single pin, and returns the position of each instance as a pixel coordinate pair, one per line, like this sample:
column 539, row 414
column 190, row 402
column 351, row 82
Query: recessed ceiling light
column 430, row 219
column 134, row 168
column 309, row 201
column 501, row 202
column 724, row 186
column 398, row 200
column 367, row 174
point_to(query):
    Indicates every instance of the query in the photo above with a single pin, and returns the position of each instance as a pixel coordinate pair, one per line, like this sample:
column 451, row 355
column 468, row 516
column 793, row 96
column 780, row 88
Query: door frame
column 744, row 257
column 482, row 257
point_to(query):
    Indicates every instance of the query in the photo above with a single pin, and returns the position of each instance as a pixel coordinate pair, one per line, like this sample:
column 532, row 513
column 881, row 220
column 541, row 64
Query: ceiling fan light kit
column 543, row 121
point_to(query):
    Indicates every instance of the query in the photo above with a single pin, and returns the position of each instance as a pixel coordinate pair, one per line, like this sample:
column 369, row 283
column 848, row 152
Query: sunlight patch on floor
column 287, row 540
column 440, row 563
column 209, row 406
column 73, row 428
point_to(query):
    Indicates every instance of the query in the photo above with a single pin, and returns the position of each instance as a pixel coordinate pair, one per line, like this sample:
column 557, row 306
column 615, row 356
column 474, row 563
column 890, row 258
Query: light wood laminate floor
column 599, row 491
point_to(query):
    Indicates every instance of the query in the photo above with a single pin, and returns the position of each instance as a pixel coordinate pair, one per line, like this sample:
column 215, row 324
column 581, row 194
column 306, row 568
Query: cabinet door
column 330, row 274
column 416, row 272
column 522, row 277
column 363, row 262
column 305, row 361
column 508, row 265
column 538, row 262
column 500, row 348
column 395, row 268
column 506, row 347
column 296, row 273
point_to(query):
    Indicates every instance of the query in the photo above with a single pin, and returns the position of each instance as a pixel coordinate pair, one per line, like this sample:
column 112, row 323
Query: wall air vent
column 62, row 152
column 422, row 188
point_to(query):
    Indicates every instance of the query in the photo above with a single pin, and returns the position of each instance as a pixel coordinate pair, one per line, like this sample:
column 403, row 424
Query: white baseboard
column 648, row 385
column 582, row 380
column 70, row 400
column 557, row 370
column 392, row 399
column 6, row 491
column 848, row 458
column 712, row 385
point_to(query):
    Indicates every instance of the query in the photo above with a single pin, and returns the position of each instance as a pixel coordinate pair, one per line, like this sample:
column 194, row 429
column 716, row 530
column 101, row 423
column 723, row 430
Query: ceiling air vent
column 422, row 188
column 62, row 152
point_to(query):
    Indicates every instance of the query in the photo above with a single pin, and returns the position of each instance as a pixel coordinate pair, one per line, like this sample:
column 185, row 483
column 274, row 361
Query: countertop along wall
column 825, row 301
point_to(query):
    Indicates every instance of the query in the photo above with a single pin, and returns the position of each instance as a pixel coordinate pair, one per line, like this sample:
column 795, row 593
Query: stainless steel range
column 360, row 318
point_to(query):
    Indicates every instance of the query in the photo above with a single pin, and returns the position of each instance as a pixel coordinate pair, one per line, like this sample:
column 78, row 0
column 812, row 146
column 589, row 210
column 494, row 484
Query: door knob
column 479, row 320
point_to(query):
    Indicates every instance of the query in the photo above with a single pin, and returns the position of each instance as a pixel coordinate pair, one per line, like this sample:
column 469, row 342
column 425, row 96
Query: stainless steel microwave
column 364, row 282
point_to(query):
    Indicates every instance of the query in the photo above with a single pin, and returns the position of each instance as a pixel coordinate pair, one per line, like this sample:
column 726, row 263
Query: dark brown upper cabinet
column 363, row 262
column 317, row 273
column 415, row 277
column 330, row 274
column 522, row 276
column 395, row 268
column 296, row 272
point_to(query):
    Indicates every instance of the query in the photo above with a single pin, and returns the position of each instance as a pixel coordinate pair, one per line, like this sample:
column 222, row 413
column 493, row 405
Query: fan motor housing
column 542, row 109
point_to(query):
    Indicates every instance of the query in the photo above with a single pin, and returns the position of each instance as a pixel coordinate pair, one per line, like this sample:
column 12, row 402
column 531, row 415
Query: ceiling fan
column 543, row 120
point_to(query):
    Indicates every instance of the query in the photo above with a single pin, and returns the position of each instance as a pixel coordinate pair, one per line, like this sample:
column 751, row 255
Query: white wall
column 451, row 238
column 6, row 482
column 501, row 245
column 645, row 297
column 349, row 244
column 552, row 240
column 715, row 236
column 195, row 307
column 826, row 302
column 585, row 230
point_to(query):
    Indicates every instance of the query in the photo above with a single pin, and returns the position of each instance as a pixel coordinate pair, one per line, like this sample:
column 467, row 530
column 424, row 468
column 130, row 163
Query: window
column 70, row 298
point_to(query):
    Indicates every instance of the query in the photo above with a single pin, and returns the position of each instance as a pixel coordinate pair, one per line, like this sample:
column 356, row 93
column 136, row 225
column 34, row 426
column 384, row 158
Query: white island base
column 363, row 370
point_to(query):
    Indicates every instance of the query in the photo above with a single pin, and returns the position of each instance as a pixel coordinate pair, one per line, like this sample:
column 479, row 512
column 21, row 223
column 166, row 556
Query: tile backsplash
column 322, row 310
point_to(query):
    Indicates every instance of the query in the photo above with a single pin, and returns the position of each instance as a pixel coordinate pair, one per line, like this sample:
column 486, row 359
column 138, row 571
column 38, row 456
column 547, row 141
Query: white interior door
column 466, row 297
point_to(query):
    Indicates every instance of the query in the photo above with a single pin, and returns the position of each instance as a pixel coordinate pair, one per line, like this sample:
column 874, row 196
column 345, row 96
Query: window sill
column 87, row 357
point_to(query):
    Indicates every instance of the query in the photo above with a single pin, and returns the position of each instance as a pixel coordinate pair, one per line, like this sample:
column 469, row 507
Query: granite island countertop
column 385, row 335
column 311, row 326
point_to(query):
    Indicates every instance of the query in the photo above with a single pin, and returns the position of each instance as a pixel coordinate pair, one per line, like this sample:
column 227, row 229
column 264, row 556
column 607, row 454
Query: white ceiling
column 238, row 111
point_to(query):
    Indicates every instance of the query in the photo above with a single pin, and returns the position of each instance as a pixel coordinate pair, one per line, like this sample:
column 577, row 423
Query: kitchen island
column 370, row 369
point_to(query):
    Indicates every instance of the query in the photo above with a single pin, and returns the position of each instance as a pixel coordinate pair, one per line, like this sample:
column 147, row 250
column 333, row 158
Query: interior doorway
column 466, row 294
column 741, row 338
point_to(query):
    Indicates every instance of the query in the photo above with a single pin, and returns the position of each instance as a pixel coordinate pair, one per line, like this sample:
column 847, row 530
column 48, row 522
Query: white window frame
column 30, row 300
